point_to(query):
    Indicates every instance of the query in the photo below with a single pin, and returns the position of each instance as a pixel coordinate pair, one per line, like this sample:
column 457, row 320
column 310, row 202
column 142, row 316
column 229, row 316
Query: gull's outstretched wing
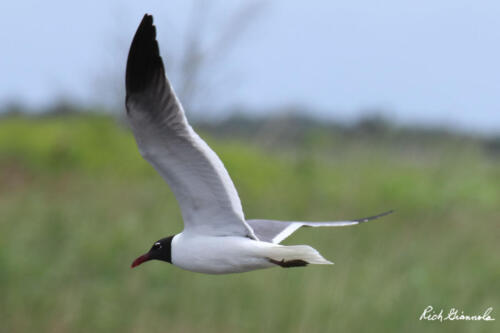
column 207, row 197
column 276, row 231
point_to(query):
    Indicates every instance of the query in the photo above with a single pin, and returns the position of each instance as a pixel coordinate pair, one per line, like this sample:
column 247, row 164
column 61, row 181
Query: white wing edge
column 293, row 226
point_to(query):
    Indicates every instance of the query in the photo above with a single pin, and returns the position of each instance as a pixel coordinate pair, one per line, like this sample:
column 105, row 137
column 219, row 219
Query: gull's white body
column 218, row 255
column 233, row 254
column 217, row 238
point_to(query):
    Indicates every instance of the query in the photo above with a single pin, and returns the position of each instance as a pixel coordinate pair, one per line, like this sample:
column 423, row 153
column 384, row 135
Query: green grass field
column 78, row 204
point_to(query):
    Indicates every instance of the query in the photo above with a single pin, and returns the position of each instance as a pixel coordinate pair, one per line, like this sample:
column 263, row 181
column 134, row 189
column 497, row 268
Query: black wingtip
column 369, row 218
column 144, row 63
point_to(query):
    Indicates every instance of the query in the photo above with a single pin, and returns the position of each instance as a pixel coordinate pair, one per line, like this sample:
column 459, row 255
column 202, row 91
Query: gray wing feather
column 207, row 197
column 274, row 231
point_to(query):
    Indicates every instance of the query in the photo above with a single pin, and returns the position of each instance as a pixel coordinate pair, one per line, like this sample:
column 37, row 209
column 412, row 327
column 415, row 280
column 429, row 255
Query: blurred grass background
column 78, row 204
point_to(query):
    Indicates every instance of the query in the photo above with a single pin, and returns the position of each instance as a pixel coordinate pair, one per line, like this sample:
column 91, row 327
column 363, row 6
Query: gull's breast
column 218, row 255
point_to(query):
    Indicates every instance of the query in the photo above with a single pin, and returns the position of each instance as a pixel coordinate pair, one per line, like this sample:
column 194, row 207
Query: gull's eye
column 156, row 246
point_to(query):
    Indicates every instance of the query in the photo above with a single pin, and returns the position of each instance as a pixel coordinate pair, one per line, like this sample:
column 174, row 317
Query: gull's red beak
column 140, row 260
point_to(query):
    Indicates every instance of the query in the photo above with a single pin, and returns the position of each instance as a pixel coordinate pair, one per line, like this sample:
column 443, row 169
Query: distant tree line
column 293, row 128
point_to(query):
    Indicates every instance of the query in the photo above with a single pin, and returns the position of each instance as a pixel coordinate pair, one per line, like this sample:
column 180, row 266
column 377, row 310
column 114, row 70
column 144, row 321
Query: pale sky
column 426, row 62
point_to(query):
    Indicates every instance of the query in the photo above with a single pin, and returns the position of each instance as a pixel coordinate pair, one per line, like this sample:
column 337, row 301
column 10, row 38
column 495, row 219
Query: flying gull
column 217, row 239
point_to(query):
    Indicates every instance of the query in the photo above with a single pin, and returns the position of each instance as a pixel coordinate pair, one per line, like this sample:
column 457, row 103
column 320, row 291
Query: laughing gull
column 216, row 239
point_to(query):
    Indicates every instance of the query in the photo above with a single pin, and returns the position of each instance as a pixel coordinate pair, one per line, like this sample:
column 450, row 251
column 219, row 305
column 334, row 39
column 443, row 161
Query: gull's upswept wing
column 276, row 231
column 208, row 199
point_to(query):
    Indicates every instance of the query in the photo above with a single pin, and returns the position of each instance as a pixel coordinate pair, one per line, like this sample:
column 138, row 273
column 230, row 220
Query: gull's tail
column 295, row 255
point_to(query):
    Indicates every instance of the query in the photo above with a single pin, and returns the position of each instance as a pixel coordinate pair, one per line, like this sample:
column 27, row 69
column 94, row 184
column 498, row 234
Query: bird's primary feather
column 207, row 197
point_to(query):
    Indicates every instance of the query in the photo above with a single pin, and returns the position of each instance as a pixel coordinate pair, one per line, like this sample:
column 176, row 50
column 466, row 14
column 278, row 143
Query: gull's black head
column 161, row 250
